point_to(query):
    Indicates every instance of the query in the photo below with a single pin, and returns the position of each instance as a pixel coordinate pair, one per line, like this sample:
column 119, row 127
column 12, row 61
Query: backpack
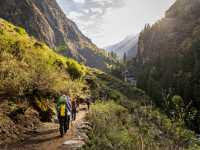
column 62, row 110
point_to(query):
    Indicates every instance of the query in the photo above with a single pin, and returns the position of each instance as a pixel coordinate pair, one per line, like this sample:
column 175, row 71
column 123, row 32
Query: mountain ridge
column 46, row 21
column 128, row 45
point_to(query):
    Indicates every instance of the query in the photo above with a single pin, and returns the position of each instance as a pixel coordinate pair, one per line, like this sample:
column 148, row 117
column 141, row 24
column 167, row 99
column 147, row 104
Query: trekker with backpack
column 69, row 110
column 88, row 101
column 74, row 109
column 62, row 113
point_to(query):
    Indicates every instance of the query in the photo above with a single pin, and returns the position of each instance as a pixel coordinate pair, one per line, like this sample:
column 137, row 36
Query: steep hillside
column 169, row 60
column 125, row 118
column 128, row 46
column 46, row 21
column 30, row 74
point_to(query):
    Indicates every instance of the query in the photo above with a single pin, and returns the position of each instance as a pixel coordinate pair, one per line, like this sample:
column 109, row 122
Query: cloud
column 108, row 21
column 89, row 14
column 74, row 15
column 79, row 1
column 86, row 11
column 97, row 10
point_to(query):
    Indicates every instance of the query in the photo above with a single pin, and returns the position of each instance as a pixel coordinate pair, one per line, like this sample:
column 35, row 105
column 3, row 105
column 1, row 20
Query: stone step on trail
column 74, row 144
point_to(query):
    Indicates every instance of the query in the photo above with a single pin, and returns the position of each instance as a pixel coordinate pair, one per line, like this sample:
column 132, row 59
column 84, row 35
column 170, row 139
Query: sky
column 107, row 22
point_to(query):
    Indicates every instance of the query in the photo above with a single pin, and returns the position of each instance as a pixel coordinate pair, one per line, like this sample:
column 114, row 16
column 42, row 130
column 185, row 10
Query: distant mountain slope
column 169, row 58
column 45, row 20
column 128, row 46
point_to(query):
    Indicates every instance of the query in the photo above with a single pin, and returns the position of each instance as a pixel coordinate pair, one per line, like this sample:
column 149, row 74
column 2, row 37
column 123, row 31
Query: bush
column 46, row 109
column 177, row 101
column 20, row 30
column 13, row 78
column 110, row 127
column 75, row 70
column 177, row 107
column 62, row 48
column 1, row 31
column 144, row 127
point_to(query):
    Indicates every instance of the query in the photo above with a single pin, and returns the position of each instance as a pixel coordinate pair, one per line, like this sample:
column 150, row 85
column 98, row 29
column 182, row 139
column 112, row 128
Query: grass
column 116, row 127
column 29, row 67
column 125, row 118
column 109, row 127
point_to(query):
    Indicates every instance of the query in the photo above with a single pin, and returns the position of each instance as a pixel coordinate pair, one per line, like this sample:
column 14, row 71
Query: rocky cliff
column 45, row 20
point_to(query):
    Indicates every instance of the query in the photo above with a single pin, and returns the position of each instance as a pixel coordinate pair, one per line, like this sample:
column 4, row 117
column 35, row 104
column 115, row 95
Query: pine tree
column 125, row 58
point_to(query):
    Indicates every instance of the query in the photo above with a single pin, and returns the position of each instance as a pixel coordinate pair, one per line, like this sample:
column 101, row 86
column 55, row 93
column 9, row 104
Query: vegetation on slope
column 125, row 118
column 168, row 62
column 29, row 67
column 55, row 29
column 139, row 127
column 31, row 75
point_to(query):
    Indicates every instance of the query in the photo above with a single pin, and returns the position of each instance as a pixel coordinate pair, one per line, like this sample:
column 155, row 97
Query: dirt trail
column 47, row 136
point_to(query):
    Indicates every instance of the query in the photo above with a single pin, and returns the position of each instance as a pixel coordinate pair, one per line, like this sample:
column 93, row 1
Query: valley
column 44, row 56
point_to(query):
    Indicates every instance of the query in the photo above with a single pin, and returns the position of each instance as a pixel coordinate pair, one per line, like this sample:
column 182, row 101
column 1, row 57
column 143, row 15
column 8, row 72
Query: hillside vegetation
column 29, row 67
column 30, row 74
column 46, row 21
column 139, row 127
column 168, row 63
column 124, row 118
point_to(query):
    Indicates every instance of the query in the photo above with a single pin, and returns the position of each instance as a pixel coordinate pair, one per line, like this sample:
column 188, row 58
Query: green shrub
column 38, row 44
column 177, row 106
column 13, row 77
column 20, row 30
column 46, row 109
column 75, row 70
column 62, row 48
column 142, row 128
column 110, row 129
column 177, row 101
column 17, row 50
column 1, row 31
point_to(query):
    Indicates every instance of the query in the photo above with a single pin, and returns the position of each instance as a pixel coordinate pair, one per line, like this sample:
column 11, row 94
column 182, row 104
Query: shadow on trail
column 41, row 140
column 36, row 133
column 34, row 137
column 37, row 137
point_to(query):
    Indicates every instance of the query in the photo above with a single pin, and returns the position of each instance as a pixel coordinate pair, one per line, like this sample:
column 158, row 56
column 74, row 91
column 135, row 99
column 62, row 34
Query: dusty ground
column 47, row 136
column 16, row 119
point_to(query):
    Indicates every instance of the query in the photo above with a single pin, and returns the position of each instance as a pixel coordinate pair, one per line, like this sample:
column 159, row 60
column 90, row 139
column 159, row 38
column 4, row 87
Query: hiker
column 61, row 108
column 88, row 103
column 69, row 110
column 74, row 109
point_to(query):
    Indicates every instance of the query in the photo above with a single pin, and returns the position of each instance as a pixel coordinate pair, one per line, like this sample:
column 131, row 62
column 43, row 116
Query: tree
column 113, row 54
column 177, row 107
column 125, row 58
